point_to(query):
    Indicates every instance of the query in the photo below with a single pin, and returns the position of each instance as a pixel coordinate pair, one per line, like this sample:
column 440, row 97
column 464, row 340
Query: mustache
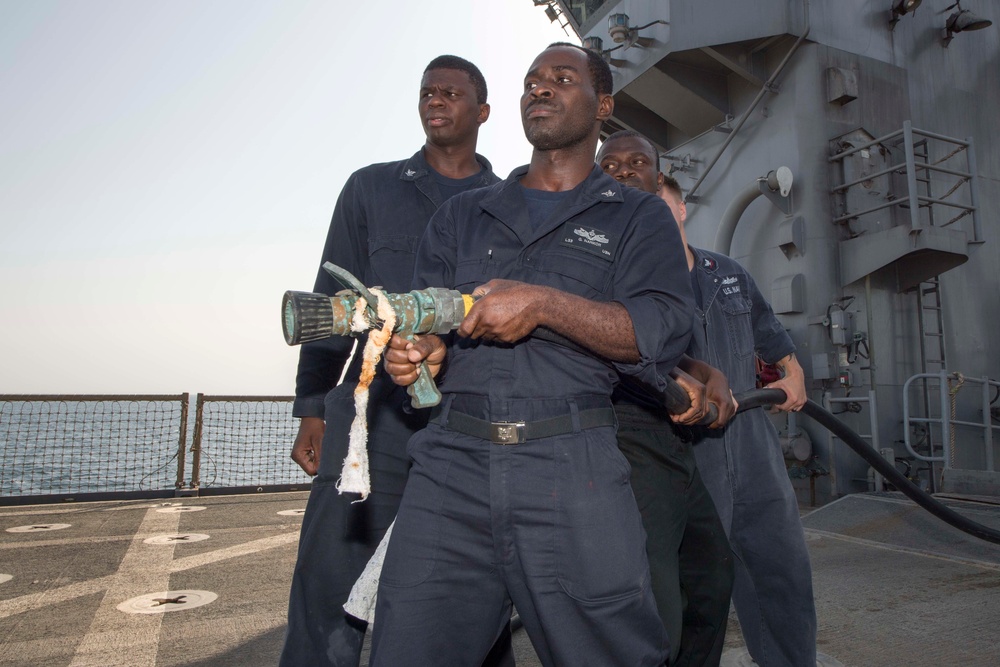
column 541, row 104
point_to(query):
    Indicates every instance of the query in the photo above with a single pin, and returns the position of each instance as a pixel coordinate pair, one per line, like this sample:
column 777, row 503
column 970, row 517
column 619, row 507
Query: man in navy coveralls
column 518, row 492
column 741, row 465
column 378, row 220
column 690, row 562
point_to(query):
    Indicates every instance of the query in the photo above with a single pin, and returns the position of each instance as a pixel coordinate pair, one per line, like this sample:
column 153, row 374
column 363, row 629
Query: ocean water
column 72, row 446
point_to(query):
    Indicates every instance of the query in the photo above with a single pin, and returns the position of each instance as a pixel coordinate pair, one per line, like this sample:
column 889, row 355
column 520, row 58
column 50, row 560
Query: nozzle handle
column 424, row 393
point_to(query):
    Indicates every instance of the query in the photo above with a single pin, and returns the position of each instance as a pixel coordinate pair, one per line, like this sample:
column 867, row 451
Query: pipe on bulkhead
column 777, row 180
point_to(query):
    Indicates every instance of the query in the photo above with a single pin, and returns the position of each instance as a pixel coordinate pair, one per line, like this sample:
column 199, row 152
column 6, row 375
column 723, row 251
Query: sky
column 168, row 171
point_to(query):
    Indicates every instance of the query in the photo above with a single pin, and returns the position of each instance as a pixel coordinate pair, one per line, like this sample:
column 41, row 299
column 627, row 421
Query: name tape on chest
column 588, row 239
column 731, row 285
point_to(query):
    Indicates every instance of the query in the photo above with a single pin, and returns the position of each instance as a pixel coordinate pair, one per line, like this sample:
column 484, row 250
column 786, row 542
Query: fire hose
column 308, row 316
column 760, row 397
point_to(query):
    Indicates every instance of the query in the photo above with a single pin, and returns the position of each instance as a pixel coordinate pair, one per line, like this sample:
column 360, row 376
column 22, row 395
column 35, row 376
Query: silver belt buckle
column 507, row 433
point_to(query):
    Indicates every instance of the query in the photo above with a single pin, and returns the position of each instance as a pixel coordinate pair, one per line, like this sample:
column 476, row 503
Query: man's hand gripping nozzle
column 307, row 316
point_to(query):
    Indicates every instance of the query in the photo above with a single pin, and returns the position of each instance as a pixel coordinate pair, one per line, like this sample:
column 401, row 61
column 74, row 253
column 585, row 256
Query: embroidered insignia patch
column 595, row 241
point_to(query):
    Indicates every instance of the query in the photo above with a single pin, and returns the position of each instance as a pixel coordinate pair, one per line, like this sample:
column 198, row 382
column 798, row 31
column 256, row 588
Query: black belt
column 515, row 433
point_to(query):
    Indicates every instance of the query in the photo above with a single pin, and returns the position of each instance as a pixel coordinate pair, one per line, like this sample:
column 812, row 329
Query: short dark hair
column 454, row 62
column 624, row 134
column 671, row 184
column 600, row 71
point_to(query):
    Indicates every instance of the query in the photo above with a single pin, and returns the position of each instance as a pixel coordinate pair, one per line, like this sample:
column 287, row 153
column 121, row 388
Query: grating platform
column 84, row 584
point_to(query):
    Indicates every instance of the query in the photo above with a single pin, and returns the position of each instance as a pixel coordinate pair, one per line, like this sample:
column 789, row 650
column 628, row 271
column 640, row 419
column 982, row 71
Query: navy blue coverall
column 690, row 562
column 549, row 524
column 377, row 223
column 744, row 470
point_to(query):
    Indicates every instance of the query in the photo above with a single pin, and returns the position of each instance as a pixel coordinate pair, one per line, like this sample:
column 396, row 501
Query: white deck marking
column 165, row 602
column 55, row 596
column 32, row 601
column 986, row 565
column 38, row 527
column 144, row 568
column 244, row 549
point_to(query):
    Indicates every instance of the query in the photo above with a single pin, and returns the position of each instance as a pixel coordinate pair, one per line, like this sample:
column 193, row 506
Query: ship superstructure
column 845, row 151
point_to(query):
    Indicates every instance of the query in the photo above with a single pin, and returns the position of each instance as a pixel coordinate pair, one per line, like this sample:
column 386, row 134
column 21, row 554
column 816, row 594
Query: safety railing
column 243, row 441
column 919, row 166
column 946, row 421
column 55, row 448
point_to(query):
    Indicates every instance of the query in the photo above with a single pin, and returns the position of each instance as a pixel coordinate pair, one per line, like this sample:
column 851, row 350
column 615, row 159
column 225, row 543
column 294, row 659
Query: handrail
column 898, row 167
column 909, row 169
column 892, row 135
column 946, row 423
column 892, row 202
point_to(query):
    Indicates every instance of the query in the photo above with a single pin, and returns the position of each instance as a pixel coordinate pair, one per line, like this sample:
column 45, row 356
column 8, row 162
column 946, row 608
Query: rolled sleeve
column 778, row 349
column 654, row 286
column 771, row 341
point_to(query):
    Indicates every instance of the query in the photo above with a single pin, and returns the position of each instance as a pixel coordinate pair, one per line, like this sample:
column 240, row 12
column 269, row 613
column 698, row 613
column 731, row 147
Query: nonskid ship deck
column 204, row 581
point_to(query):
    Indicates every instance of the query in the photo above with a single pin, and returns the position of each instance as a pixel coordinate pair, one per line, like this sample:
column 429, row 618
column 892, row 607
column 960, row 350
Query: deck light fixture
column 962, row 21
column 618, row 27
column 596, row 44
column 901, row 8
column 622, row 33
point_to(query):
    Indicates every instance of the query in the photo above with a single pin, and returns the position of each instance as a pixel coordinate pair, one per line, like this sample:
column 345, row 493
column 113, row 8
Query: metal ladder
column 930, row 320
column 930, row 317
column 932, row 350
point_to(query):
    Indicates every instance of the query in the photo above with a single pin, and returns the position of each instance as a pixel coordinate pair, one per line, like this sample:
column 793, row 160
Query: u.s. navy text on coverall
column 744, row 469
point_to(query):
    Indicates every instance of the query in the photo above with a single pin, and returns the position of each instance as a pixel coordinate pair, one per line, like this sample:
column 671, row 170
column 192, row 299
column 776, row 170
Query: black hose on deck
column 758, row 397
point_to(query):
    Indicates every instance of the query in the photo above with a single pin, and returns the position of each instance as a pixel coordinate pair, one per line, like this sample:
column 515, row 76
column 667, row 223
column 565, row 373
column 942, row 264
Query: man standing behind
column 742, row 465
column 690, row 563
column 518, row 492
column 378, row 220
